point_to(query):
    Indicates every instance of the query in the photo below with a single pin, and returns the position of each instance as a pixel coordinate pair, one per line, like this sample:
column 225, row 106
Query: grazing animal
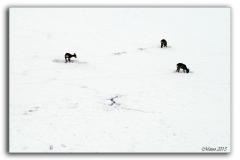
column 163, row 43
column 68, row 56
column 182, row 66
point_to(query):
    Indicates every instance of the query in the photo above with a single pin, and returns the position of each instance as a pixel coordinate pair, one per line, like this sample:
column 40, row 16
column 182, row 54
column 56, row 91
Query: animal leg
column 178, row 69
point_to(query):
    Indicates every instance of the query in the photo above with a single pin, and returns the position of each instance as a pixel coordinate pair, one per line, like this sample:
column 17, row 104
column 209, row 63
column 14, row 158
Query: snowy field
column 121, row 94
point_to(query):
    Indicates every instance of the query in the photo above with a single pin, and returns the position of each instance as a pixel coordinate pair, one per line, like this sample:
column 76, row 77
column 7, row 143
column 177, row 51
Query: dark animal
column 68, row 56
column 182, row 66
column 163, row 43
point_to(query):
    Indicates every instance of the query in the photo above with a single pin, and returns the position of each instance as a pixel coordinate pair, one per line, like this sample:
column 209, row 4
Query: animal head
column 187, row 70
column 75, row 55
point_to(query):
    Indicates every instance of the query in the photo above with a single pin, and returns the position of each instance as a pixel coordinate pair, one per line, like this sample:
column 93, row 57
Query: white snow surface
column 121, row 94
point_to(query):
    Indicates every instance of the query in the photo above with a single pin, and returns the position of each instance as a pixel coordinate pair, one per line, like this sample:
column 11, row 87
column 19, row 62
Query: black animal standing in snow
column 182, row 66
column 163, row 43
column 68, row 56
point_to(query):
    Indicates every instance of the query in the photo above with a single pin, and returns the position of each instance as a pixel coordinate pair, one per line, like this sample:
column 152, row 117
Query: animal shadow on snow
column 142, row 49
column 64, row 61
column 166, row 47
column 181, row 71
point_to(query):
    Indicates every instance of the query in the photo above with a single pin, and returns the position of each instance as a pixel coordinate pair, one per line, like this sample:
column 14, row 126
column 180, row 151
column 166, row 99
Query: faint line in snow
column 137, row 110
column 227, row 134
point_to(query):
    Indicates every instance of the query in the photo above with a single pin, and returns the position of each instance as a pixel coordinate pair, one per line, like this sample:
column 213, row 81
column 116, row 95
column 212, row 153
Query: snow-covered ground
column 121, row 94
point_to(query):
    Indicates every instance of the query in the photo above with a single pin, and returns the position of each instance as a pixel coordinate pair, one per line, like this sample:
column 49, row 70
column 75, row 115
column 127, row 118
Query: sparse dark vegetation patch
column 141, row 49
column 50, row 147
column 113, row 101
column 119, row 53
column 32, row 110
